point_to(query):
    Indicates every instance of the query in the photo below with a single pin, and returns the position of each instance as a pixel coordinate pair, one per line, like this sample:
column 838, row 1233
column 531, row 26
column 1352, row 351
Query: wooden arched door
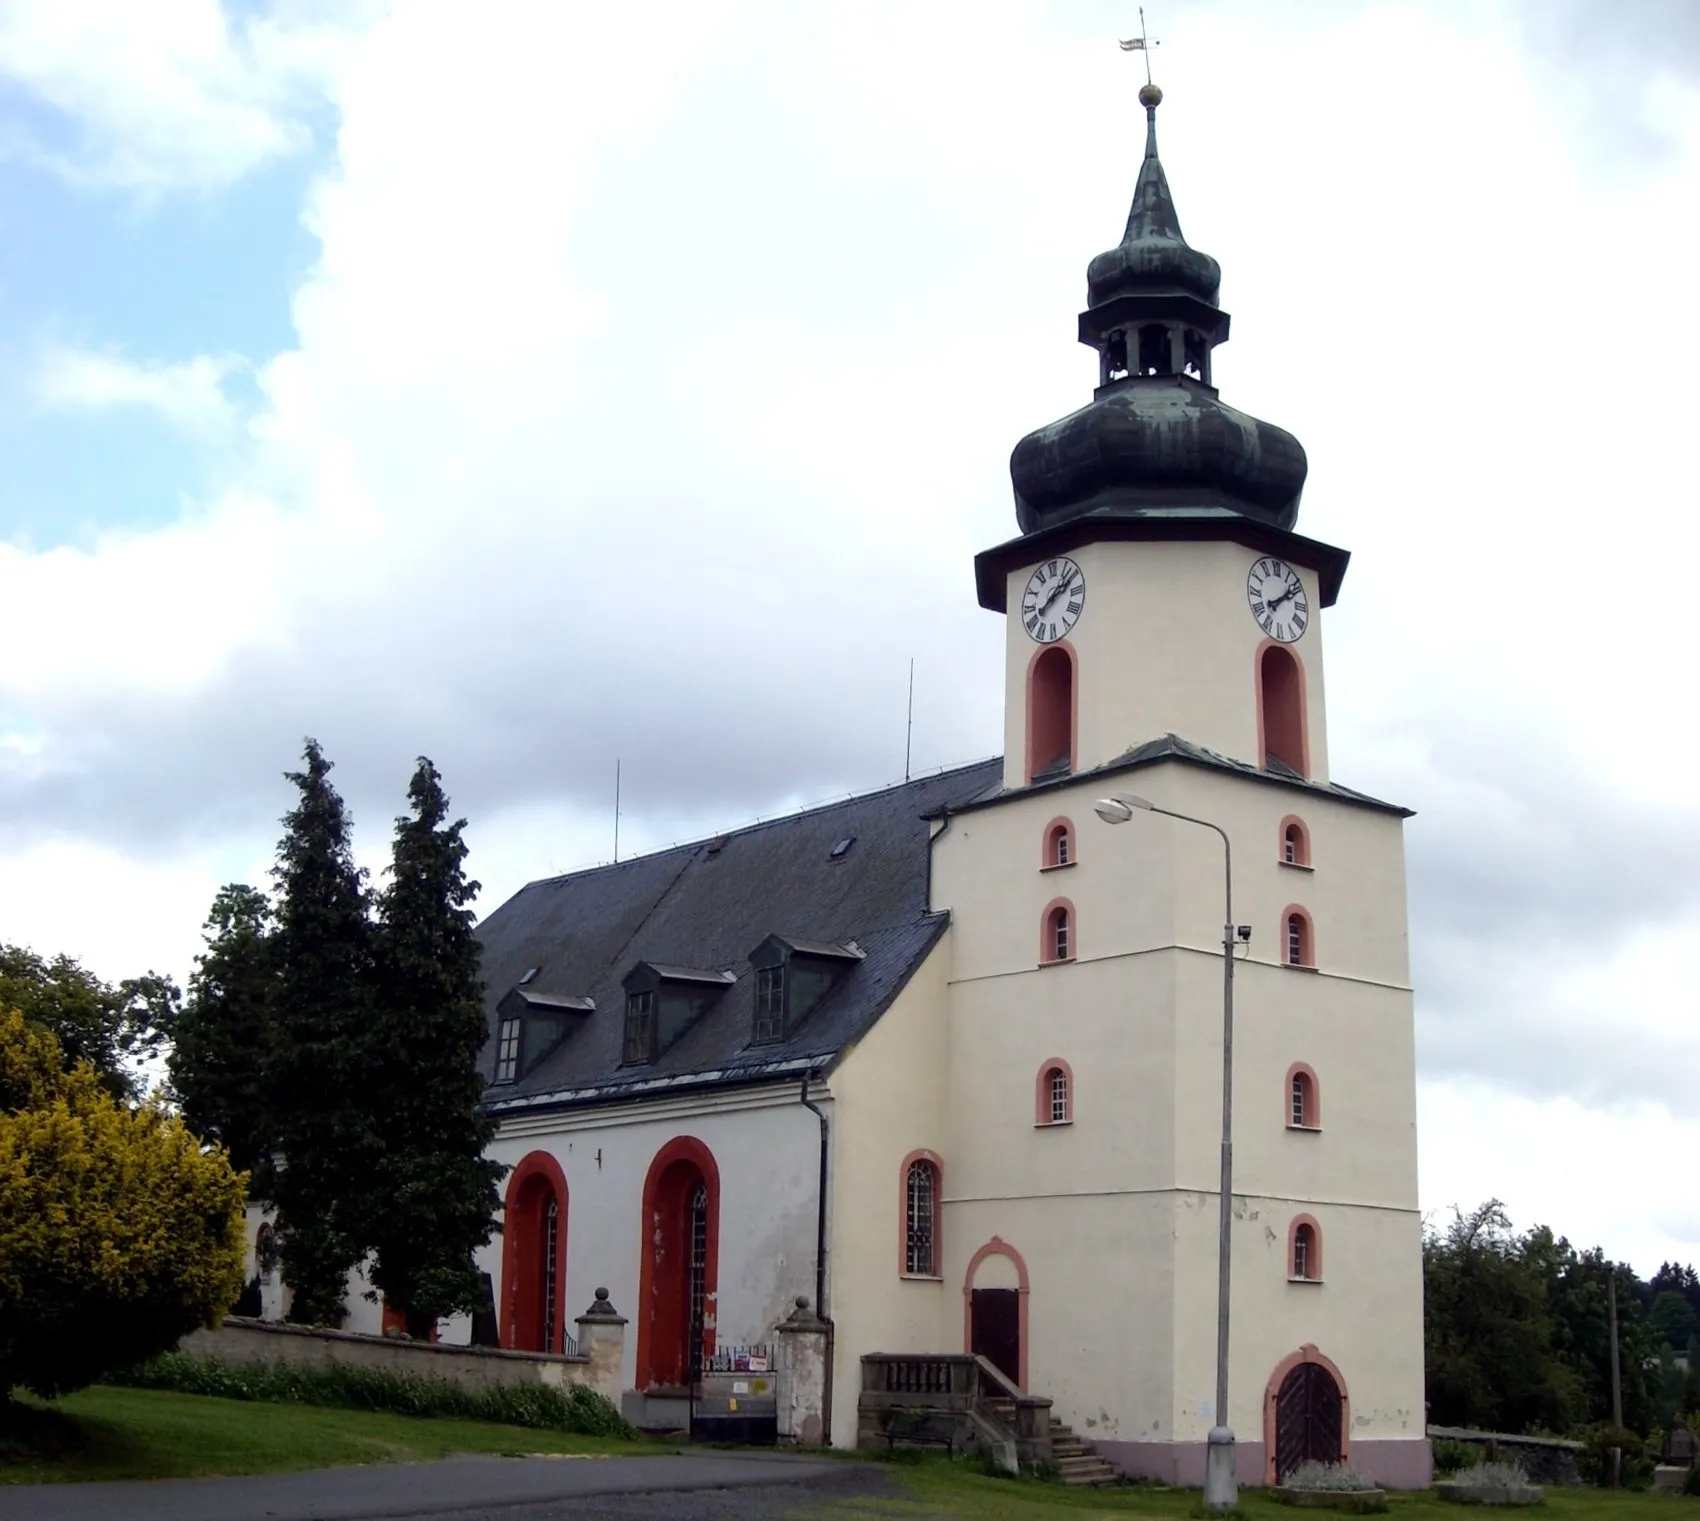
column 1307, row 1419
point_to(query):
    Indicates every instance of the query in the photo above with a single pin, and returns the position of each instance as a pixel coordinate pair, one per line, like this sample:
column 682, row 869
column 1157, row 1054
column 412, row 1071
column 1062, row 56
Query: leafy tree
column 111, row 1028
column 435, row 1191
column 1576, row 1289
column 118, row 1234
column 220, row 1054
column 1673, row 1319
column 1674, row 1277
column 321, row 1077
column 1488, row 1331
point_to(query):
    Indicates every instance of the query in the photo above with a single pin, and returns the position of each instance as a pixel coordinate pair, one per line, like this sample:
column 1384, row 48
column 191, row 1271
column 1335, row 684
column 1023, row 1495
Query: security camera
column 1245, row 932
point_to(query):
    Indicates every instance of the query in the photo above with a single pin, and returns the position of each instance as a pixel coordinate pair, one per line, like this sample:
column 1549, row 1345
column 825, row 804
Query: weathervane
column 1143, row 43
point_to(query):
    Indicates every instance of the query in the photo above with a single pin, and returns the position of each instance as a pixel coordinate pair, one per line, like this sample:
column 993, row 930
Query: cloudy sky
column 534, row 385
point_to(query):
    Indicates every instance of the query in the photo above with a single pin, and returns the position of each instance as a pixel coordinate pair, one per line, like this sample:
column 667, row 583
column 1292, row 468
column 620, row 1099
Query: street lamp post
column 1221, row 1486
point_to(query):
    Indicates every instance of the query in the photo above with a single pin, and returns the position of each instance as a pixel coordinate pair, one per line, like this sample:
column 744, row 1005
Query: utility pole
column 1616, row 1373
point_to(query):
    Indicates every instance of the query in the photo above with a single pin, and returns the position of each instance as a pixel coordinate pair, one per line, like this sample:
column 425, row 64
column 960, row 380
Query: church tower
column 1165, row 640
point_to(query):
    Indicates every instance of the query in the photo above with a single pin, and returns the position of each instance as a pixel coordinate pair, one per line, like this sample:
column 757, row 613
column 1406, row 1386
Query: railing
column 756, row 1358
column 918, row 1375
column 939, row 1398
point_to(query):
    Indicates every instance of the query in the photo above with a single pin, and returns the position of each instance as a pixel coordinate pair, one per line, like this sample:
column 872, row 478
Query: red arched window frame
column 1293, row 843
column 1053, row 1093
column 1303, row 1098
column 1283, row 733
column 920, row 1205
column 1304, row 1250
column 1298, row 938
column 1058, row 931
column 534, row 1277
column 1053, row 709
column 1059, row 847
column 664, row 1260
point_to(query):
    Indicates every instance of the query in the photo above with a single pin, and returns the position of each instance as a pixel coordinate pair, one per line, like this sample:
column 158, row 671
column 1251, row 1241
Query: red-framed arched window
column 1303, row 1098
column 1294, row 842
column 922, row 1181
column 534, row 1255
column 1059, row 846
column 1304, row 1250
column 1051, row 711
column 1053, row 1094
column 1057, row 932
column 1283, row 739
column 1298, row 937
column 678, row 1264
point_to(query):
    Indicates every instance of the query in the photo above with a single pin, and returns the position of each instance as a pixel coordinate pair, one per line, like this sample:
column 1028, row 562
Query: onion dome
column 1155, row 441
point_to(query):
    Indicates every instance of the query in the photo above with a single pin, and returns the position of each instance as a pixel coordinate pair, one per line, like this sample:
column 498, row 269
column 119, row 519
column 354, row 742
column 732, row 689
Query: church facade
column 947, row 1059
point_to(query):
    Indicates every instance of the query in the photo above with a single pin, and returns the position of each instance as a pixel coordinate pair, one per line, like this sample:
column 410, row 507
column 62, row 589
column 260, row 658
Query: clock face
column 1052, row 603
column 1278, row 599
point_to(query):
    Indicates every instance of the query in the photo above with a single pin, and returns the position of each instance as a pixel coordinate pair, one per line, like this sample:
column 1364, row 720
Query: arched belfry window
column 1059, row 845
column 1294, row 842
column 1050, row 713
column 1281, row 728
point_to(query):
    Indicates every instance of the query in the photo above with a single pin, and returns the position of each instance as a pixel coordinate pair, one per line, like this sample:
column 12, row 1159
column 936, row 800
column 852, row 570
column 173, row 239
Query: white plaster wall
column 1166, row 644
column 889, row 1099
column 767, row 1151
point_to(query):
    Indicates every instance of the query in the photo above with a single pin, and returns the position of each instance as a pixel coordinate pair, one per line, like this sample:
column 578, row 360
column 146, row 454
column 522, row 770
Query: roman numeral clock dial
column 1278, row 600
column 1052, row 603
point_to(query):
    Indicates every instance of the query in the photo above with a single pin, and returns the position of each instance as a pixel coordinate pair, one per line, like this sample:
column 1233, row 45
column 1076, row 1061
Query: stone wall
column 1546, row 1460
column 596, row 1365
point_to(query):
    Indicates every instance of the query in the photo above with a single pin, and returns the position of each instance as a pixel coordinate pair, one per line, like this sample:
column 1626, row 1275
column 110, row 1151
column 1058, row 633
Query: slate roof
column 707, row 905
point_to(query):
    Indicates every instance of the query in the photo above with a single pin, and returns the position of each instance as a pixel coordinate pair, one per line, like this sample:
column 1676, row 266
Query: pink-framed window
column 1050, row 711
column 923, row 1186
column 1059, row 845
column 1304, row 1251
column 1053, row 1095
column 1304, row 1098
column 1298, row 938
column 1294, row 842
column 1057, row 931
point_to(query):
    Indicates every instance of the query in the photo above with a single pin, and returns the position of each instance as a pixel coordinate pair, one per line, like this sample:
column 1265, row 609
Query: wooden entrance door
column 996, row 1329
column 1307, row 1419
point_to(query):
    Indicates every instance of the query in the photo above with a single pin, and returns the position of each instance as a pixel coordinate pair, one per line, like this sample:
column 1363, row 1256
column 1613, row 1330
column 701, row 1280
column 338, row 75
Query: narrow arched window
column 920, row 1219
column 1295, row 843
column 1281, row 711
column 1059, row 844
column 1306, row 1251
column 1304, row 1110
column 1056, row 932
column 1053, row 1098
column 1298, row 948
column 265, row 1253
column 1050, row 713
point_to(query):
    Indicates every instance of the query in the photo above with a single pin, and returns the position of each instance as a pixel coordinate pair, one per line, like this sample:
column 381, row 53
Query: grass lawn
column 939, row 1488
column 104, row 1433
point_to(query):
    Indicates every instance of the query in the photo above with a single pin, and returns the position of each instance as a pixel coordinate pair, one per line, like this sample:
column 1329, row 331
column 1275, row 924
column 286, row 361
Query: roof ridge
column 690, row 847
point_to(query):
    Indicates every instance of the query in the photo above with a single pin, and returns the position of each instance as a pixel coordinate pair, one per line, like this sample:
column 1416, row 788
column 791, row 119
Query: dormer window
column 662, row 1002
column 770, row 1004
column 507, row 1050
column 640, row 1027
column 792, row 976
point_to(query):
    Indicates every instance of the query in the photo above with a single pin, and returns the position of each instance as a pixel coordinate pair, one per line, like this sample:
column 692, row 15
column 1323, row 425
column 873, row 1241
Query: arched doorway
column 1305, row 1414
column 995, row 1294
column 679, row 1264
column 534, row 1256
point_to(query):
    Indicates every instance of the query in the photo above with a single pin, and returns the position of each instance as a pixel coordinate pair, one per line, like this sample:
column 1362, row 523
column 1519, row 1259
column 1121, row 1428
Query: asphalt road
column 687, row 1487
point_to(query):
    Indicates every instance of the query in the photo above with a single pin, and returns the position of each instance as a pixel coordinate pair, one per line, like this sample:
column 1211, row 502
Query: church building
column 947, row 1059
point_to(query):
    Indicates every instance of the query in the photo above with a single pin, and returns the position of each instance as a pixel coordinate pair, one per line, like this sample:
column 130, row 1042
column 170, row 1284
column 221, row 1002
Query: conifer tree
column 320, row 1080
column 435, row 1192
column 223, row 1036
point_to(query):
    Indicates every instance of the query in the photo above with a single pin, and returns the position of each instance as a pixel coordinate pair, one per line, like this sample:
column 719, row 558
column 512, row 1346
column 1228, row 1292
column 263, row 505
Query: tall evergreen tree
column 220, row 1056
column 320, row 1080
column 435, row 1191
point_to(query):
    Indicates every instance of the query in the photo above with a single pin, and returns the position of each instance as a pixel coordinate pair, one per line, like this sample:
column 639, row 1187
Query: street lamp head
column 1112, row 810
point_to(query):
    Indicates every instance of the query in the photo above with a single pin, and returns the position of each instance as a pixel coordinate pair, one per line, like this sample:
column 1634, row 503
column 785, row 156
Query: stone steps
column 1077, row 1460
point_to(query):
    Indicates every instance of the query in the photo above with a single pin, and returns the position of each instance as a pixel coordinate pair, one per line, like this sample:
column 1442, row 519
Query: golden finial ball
column 1150, row 96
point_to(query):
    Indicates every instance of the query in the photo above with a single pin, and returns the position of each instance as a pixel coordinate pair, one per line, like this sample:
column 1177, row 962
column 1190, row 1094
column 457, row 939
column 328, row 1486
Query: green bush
column 1635, row 1471
column 1450, row 1454
column 572, row 1408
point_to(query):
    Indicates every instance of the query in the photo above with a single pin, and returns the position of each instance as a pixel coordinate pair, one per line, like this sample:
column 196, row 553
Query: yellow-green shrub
column 117, row 1233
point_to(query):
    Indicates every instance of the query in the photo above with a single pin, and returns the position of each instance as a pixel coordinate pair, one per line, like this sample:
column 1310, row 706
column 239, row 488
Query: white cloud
column 189, row 393
column 171, row 93
column 655, row 385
